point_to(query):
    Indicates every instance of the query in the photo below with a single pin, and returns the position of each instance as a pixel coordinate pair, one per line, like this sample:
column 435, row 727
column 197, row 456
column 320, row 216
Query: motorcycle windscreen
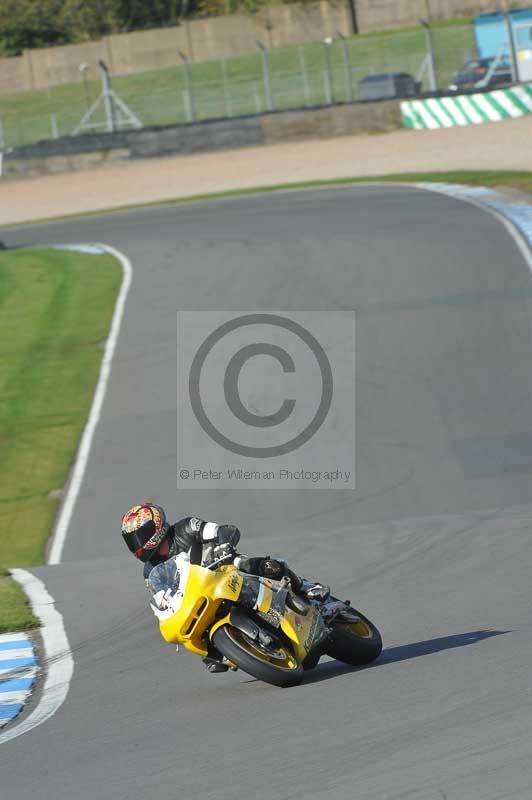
column 164, row 576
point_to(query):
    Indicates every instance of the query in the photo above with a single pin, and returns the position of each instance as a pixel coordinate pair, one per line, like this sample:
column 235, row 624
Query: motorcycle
column 276, row 641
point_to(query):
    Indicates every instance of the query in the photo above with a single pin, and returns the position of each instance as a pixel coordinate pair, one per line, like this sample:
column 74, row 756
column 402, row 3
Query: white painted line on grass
column 67, row 508
column 57, row 657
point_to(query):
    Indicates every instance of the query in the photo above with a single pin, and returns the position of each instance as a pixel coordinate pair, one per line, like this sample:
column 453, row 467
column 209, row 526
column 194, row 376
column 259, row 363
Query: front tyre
column 354, row 642
column 276, row 666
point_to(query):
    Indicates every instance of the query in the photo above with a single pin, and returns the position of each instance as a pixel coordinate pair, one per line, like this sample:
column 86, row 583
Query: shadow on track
column 403, row 652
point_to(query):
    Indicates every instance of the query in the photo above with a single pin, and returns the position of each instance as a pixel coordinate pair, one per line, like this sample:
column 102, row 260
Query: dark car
column 387, row 86
column 474, row 75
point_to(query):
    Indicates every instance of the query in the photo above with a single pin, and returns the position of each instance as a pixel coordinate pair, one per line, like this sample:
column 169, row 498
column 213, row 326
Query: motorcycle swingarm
column 240, row 619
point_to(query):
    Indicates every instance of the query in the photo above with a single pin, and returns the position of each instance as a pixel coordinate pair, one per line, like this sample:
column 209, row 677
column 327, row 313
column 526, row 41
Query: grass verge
column 55, row 311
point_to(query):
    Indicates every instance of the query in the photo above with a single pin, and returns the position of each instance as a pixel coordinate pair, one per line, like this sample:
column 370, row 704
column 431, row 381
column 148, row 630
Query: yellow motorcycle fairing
column 205, row 590
column 301, row 630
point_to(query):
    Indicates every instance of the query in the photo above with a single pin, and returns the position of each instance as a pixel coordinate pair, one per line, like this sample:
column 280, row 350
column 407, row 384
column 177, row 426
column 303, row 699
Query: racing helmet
column 143, row 529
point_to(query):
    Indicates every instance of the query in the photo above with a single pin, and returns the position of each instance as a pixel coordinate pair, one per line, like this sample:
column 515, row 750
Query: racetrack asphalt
column 434, row 544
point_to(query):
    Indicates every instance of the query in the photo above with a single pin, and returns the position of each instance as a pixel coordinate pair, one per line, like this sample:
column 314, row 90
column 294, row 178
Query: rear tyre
column 279, row 667
column 356, row 643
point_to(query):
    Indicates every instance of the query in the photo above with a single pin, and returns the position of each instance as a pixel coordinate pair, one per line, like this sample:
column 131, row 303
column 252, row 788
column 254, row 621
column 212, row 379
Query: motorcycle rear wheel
column 278, row 667
column 356, row 643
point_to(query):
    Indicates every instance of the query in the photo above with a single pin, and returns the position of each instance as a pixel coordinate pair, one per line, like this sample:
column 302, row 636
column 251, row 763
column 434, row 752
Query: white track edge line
column 512, row 227
column 60, row 664
column 67, row 507
column 57, row 655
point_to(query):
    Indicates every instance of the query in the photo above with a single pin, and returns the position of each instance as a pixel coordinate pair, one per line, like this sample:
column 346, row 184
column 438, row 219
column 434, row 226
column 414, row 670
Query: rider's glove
column 228, row 534
column 222, row 551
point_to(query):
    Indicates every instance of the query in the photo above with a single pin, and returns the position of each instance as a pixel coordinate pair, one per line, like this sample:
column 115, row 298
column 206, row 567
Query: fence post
column 430, row 55
column 304, row 75
column 327, row 76
column 511, row 45
column 353, row 15
column 256, row 98
column 347, row 67
column 189, row 103
column 187, row 106
column 84, row 72
column 53, row 124
column 327, row 87
column 266, row 75
column 107, row 97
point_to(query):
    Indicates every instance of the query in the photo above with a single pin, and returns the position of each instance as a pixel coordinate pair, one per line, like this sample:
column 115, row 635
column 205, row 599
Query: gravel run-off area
column 497, row 145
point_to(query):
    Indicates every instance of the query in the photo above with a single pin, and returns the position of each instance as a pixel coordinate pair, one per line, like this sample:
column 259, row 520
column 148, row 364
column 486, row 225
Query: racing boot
column 308, row 590
column 313, row 590
column 213, row 665
column 277, row 570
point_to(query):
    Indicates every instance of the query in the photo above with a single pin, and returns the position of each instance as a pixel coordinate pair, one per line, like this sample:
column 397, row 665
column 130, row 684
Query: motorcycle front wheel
column 354, row 642
column 276, row 666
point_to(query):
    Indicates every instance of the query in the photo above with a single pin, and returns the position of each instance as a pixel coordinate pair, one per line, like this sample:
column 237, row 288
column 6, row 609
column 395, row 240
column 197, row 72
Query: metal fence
column 316, row 74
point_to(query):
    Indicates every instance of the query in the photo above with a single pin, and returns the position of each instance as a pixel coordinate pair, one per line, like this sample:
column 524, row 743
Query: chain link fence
column 315, row 74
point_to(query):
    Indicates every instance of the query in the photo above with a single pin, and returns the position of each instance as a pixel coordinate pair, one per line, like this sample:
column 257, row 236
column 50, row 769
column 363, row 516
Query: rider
column 153, row 540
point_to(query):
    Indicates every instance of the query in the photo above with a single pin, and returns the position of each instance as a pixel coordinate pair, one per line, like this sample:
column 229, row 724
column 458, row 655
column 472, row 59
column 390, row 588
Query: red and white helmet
column 143, row 529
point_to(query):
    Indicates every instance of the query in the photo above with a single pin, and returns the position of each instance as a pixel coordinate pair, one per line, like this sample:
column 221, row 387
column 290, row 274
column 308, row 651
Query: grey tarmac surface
column 434, row 544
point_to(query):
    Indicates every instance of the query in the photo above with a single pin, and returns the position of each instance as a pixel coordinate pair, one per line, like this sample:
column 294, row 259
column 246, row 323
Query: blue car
column 474, row 75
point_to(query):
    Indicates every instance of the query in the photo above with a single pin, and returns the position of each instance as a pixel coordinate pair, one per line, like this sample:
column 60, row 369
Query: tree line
column 25, row 24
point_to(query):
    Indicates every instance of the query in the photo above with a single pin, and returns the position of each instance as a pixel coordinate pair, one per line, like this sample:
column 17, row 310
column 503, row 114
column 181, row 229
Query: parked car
column 388, row 86
column 473, row 75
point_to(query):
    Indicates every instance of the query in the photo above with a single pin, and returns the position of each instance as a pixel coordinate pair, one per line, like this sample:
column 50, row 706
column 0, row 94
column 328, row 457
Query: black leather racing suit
column 191, row 534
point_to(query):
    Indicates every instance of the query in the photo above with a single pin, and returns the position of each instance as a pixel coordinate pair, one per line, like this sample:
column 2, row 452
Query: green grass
column 236, row 86
column 55, row 311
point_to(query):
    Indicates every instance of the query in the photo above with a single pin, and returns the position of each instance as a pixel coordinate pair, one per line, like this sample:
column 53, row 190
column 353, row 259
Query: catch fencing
column 308, row 75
